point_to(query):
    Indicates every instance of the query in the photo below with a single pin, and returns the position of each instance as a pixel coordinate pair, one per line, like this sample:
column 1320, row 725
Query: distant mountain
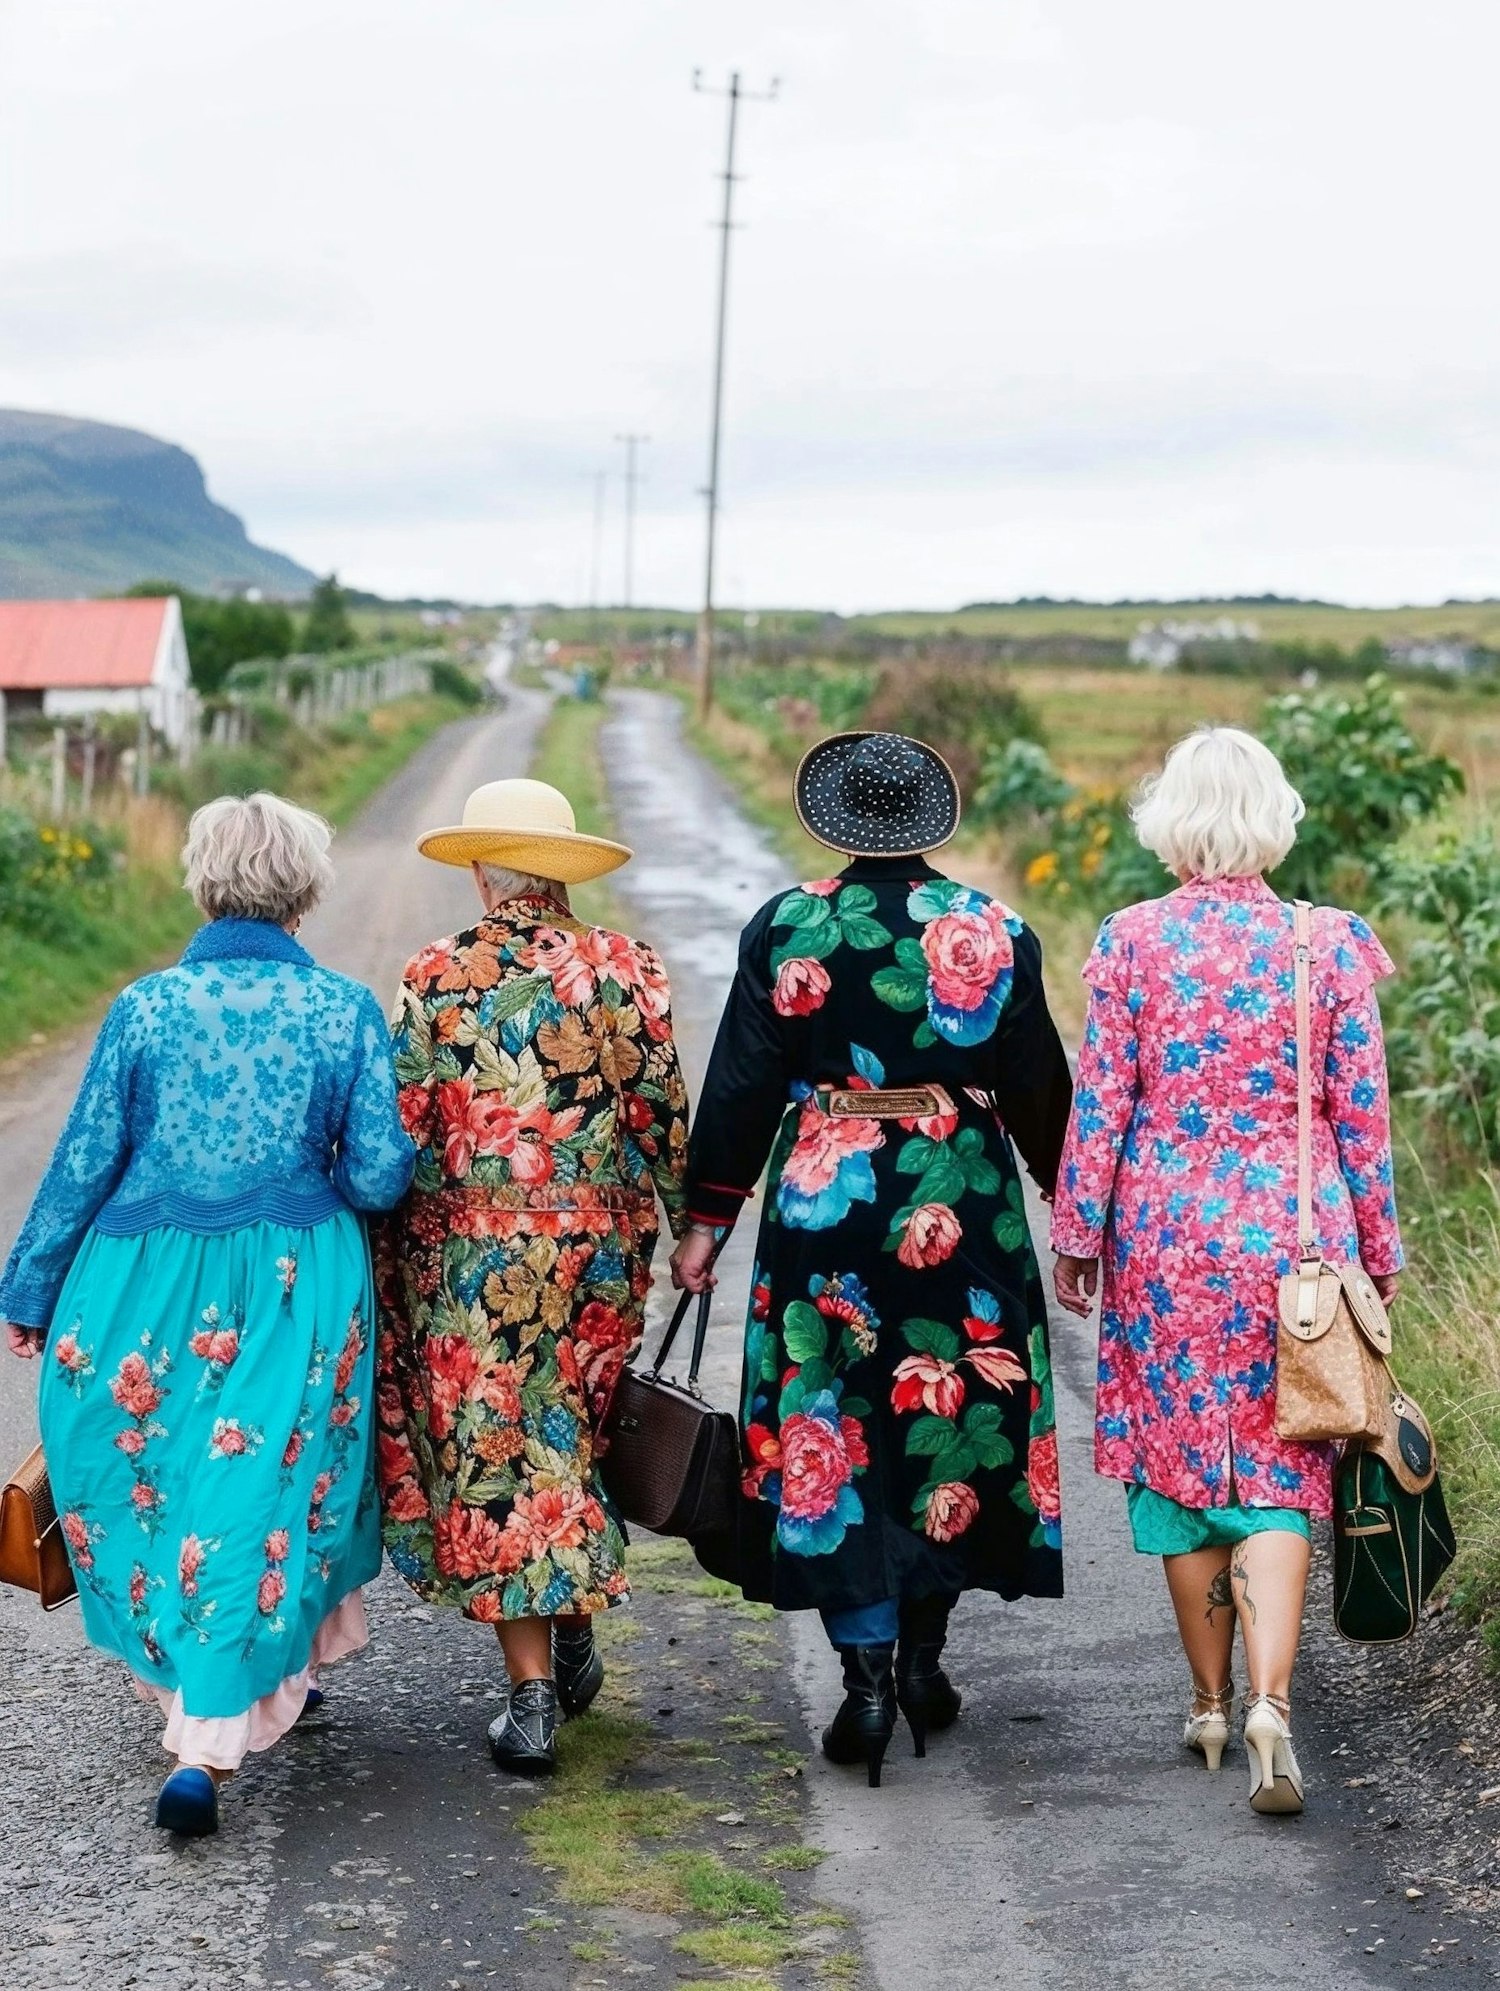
column 86, row 509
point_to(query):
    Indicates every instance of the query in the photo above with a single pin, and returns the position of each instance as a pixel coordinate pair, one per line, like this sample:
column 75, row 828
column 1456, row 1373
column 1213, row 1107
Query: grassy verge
column 567, row 755
column 679, row 1799
column 142, row 916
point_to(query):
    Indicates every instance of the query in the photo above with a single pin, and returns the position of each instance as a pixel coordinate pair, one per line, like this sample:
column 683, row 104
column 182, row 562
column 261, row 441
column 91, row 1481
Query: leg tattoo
column 1220, row 1595
column 1242, row 1577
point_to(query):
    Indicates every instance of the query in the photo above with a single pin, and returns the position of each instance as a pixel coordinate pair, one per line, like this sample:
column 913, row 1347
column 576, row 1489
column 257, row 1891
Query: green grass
column 737, row 1946
column 794, row 1859
column 567, row 756
column 144, row 916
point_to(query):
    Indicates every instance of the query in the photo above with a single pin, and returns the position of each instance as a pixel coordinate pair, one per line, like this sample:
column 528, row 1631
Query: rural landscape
column 399, row 417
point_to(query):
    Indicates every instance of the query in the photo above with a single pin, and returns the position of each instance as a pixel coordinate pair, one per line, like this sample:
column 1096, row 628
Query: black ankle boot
column 862, row 1728
column 576, row 1667
column 524, row 1739
column 927, row 1697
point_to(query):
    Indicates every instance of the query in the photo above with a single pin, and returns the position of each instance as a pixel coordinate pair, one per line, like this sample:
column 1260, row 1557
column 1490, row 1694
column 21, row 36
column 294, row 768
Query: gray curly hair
column 257, row 857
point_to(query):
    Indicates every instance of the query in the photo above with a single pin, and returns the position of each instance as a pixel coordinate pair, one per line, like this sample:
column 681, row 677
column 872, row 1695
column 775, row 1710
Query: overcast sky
column 1034, row 296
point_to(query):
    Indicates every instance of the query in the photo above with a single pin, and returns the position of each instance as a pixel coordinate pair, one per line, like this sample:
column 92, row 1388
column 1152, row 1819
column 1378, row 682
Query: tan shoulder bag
column 1333, row 1334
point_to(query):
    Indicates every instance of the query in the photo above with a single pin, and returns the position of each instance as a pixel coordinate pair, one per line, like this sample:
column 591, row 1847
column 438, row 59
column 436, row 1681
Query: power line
column 735, row 95
column 632, row 479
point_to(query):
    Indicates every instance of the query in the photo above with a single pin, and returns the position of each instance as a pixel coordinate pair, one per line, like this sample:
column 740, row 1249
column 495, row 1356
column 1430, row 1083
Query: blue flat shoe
column 188, row 1803
column 315, row 1700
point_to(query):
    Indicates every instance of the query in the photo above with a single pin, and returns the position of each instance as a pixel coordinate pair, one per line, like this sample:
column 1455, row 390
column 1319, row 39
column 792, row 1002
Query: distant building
column 1160, row 645
column 67, row 658
column 1441, row 653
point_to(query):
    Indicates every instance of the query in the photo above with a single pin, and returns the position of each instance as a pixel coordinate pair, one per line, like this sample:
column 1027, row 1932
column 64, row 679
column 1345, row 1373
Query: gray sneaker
column 524, row 1739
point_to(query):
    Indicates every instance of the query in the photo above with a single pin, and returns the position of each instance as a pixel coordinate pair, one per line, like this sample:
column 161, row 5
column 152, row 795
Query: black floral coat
column 897, row 1401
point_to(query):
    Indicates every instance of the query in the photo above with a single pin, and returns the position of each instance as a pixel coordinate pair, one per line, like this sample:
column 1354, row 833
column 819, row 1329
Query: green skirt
column 1162, row 1526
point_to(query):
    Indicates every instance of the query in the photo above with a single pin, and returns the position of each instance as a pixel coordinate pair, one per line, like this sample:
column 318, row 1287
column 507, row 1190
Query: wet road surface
column 1058, row 1836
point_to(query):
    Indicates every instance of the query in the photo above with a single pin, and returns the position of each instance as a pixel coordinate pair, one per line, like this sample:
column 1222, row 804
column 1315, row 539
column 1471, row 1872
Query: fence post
column 2, row 732
column 59, row 772
column 90, row 753
column 142, row 749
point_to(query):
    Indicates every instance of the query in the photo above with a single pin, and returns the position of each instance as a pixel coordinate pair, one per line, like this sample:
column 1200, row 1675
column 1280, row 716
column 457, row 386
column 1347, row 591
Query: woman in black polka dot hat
column 887, row 1046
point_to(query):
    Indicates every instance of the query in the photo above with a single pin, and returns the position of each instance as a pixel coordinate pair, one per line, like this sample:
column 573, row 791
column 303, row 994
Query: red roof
column 86, row 644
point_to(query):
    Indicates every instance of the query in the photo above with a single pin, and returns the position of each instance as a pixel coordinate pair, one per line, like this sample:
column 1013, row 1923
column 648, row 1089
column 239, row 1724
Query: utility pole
column 632, row 479
column 736, row 95
column 596, row 547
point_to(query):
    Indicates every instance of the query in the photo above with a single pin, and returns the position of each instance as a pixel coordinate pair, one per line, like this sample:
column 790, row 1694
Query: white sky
column 1036, row 296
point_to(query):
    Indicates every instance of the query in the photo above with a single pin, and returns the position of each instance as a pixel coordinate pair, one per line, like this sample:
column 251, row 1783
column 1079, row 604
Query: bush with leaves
column 1444, row 1027
column 51, row 876
column 961, row 709
column 1074, row 843
column 1364, row 778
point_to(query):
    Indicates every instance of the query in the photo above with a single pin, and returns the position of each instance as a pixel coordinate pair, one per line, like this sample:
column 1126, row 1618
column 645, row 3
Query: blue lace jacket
column 245, row 1084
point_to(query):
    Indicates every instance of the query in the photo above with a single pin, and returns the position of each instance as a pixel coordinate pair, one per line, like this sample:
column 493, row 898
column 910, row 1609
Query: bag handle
column 1302, row 935
column 700, row 1335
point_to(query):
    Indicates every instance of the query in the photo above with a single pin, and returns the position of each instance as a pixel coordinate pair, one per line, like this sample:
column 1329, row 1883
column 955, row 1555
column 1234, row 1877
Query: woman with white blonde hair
column 195, row 1274
column 1180, row 1174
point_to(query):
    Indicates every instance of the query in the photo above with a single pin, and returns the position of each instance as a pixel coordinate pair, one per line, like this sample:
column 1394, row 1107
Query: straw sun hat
column 526, row 826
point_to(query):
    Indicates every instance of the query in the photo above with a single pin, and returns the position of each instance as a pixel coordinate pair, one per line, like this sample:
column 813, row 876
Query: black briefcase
column 672, row 1463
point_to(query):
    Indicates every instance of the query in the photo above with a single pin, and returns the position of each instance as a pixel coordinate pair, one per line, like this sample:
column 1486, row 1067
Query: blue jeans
column 867, row 1624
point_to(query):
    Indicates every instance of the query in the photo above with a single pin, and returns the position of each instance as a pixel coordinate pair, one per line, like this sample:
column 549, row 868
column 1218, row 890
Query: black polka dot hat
column 876, row 795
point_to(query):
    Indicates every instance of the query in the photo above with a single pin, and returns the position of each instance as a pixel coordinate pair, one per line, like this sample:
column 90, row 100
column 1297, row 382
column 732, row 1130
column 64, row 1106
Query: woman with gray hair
column 1180, row 1173
column 195, row 1274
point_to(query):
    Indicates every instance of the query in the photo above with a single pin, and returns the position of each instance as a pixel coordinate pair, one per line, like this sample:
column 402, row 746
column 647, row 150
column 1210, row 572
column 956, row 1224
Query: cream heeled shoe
column 1208, row 1732
column 1275, row 1779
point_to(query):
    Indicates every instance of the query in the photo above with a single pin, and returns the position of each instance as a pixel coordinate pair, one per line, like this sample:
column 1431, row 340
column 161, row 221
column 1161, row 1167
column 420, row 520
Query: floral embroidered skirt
column 506, row 1317
column 205, row 1407
column 897, row 1400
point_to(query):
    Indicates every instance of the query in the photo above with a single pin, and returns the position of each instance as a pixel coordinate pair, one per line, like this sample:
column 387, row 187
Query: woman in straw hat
column 897, row 1393
column 539, row 1079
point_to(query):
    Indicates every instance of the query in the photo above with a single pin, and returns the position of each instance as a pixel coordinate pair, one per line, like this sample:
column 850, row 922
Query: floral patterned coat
column 1181, row 1168
column 897, row 1402
column 539, row 1079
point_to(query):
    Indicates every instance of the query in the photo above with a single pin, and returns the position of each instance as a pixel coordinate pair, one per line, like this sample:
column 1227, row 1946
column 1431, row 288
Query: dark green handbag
column 1392, row 1538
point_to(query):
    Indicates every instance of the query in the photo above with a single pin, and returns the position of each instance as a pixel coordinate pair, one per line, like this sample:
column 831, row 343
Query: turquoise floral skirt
column 1163, row 1526
column 206, row 1409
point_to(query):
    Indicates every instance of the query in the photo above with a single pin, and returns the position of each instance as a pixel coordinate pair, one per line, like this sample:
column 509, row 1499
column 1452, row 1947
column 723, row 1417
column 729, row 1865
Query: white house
column 68, row 658
column 1161, row 644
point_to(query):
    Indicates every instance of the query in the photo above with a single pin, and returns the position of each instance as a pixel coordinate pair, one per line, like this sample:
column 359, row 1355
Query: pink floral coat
column 1181, row 1170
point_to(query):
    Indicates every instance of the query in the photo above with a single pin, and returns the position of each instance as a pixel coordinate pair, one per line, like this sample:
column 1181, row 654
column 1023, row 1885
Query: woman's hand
column 1388, row 1285
column 1075, row 1282
column 24, row 1341
column 693, row 1262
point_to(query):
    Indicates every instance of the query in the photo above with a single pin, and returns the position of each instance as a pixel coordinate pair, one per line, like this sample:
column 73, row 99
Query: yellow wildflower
column 1042, row 870
column 47, row 835
column 1102, row 834
column 1089, row 863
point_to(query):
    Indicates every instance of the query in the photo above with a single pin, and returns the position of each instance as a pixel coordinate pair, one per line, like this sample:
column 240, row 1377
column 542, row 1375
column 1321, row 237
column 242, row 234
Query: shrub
column 51, row 876
column 1365, row 781
column 1444, row 1039
column 451, row 680
column 961, row 709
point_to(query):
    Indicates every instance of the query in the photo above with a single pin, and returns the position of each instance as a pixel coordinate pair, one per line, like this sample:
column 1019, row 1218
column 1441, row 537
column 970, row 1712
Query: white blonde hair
column 257, row 857
column 1221, row 807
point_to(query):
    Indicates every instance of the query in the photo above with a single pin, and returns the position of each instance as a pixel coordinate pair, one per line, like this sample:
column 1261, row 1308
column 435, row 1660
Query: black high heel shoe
column 524, row 1739
column 926, row 1696
column 577, row 1669
column 861, row 1730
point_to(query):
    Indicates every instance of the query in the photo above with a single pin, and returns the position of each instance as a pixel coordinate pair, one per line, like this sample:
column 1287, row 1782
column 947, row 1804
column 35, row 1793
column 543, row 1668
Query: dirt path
column 1058, row 1838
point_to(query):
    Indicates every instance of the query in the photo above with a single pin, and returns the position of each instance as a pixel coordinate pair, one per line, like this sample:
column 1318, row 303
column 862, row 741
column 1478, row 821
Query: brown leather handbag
column 1333, row 1335
column 33, row 1555
column 673, row 1462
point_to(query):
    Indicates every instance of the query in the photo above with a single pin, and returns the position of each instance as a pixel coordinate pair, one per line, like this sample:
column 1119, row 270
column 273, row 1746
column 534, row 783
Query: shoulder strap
column 1302, row 937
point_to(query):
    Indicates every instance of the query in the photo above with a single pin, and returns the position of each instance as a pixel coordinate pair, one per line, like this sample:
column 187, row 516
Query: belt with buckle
column 912, row 1102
